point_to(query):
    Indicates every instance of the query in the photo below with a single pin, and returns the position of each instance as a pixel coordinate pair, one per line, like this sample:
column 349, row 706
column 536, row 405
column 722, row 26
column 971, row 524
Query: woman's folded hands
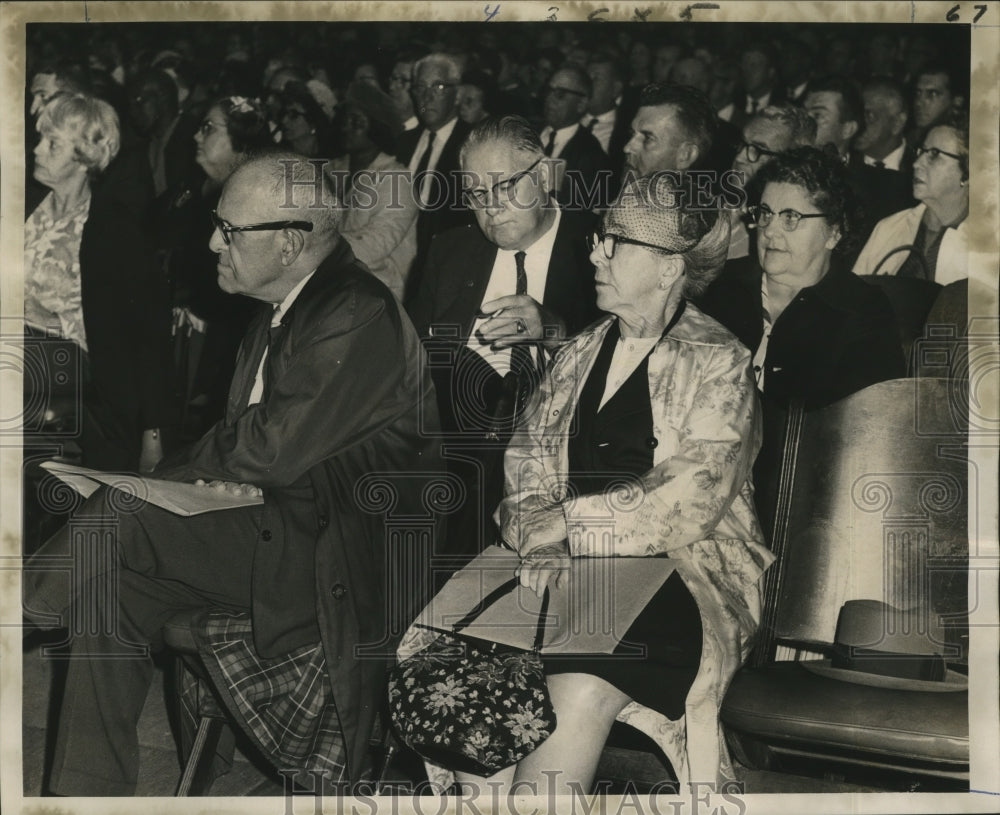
column 543, row 547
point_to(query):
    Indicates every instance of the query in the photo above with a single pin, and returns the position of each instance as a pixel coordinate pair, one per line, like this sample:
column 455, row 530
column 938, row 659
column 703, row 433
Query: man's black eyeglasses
column 609, row 241
column 227, row 229
column 480, row 199
column 755, row 151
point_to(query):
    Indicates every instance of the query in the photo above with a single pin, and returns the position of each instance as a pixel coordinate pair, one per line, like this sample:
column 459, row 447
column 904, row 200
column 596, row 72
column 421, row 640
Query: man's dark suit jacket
column 882, row 192
column 621, row 133
column 452, row 212
column 587, row 181
column 460, row 263
column 458, row 270
column 349, row 401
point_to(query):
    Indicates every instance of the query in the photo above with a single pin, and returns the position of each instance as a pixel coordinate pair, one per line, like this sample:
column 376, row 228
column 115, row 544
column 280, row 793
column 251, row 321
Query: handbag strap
column 500, row 591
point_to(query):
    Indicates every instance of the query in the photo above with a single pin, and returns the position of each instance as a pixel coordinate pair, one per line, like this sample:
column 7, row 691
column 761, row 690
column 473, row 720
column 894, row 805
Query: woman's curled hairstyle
column 90, row 123
column 246, row 123
column 825, row 179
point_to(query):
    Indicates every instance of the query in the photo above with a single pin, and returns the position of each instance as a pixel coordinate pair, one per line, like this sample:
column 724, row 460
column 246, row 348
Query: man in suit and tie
column 586, row 168
column 836, row 105
column 610, row 109
column 759, row 77
column 881, row 144
column 430, row 152
column 329, row 389
column 496, row 300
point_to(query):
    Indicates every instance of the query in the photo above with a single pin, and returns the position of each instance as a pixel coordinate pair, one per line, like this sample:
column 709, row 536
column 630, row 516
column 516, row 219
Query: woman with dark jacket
column 817, row 332
column 91, row 281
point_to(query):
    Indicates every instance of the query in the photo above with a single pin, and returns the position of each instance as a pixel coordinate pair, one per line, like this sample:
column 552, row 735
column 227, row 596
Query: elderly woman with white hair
column 91, row 280
column 640, row 443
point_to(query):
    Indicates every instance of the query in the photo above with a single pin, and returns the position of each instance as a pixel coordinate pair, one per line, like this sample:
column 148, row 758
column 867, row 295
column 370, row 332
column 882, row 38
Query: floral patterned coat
column 695, row 505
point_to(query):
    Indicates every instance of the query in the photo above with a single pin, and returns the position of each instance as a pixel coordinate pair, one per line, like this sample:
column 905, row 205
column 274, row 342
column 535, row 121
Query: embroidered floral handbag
column 472, row 705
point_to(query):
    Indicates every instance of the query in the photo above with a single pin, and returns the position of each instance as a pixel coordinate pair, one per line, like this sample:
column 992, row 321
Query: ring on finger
column 521, row 327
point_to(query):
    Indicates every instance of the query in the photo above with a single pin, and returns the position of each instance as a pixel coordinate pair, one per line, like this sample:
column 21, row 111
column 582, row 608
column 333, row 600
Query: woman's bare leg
column 566, row 762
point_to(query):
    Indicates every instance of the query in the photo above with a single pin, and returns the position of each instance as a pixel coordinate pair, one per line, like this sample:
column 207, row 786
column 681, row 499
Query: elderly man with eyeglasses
column 765, row 135
column 330, row 391
column 430, row 153
column 496, row 301
column 584, row 166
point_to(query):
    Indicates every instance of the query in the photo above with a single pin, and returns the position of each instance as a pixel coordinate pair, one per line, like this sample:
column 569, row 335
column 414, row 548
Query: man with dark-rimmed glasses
column 766, row 134
column 585, row 181
column 497, row 299
column 329, row 390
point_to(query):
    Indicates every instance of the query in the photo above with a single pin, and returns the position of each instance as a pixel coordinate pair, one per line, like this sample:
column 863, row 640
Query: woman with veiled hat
column 640, row 443
column 381, row 213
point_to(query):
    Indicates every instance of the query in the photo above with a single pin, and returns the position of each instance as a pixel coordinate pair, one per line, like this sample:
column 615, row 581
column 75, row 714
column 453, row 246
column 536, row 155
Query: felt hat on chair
column 882, row 646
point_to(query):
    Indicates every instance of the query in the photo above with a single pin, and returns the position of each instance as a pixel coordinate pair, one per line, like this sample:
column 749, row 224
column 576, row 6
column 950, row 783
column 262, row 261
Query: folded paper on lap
column 588, row 614
column 173, row 496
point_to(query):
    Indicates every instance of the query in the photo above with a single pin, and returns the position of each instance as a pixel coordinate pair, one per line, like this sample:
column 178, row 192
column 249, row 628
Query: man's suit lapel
column 247, row 363
column 470, row 285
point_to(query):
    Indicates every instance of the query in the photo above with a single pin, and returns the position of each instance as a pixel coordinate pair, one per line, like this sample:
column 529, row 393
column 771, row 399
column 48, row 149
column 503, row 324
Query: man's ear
column 687, row 155
column 849, row 130
column 899, row 123
column 546, row 175
column 293, row 241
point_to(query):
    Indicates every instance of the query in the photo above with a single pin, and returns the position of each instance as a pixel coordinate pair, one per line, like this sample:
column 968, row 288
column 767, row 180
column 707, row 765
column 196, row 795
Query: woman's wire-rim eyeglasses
column 608, row 241
column 227, row 229
column 480, row 199
column 789, row 219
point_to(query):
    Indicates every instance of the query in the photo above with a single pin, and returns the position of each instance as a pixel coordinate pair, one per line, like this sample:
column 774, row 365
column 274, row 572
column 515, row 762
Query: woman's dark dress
column 611, row 444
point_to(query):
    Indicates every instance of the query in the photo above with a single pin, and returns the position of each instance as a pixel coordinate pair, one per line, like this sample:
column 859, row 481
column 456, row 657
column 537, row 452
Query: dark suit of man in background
column 329, row 389
column 586, row 168
column 487, row 341
column 431, row 151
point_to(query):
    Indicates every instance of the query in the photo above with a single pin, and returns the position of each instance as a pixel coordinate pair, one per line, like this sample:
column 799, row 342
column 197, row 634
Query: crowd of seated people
column 480, row 176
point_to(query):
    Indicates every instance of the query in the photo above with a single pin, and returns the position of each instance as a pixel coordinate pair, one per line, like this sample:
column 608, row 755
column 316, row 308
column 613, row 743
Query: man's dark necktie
column 591, row 124
column 425, row 161
column 549, row 147
column 520, row 355
column 519, row 380
column 878, row 165
column 753, row 106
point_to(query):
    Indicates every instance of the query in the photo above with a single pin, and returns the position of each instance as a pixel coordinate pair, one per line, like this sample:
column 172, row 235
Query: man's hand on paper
column 232, row 487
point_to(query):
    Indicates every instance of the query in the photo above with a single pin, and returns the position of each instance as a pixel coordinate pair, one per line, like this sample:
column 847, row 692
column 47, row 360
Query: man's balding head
column 297, row 203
